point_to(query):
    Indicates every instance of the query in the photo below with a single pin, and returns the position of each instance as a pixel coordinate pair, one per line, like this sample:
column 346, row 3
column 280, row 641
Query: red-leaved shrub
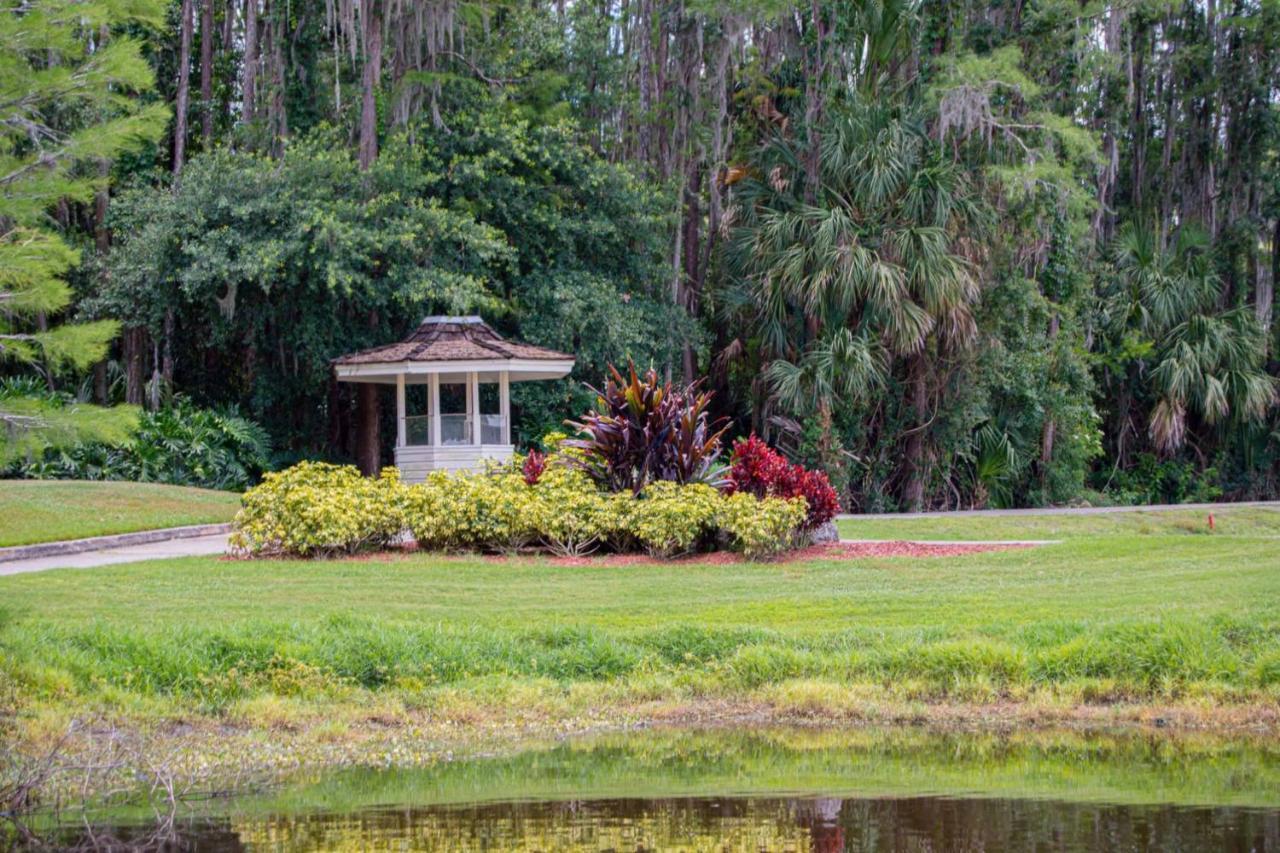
column 758, row 469
column 534, row 464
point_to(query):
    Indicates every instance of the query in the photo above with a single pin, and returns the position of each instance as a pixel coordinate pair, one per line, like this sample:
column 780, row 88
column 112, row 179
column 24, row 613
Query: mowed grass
column 1227, row 521
column 49, row 510
column 1101, row 618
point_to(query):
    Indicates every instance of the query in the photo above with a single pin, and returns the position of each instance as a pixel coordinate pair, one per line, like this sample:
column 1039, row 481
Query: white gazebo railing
column 442, row 440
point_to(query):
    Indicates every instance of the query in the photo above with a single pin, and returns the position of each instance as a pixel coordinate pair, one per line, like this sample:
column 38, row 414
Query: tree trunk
column 227, row 42
column 206, row 74
column 249, row 82
column 914, row 452
column 101, row 387
column 645, row 83
column 368, row 451
column 102, row 234
column 691, row 281
column 369, row 84
column 815, row 74
column 1265, row 296
column 135, row 348
column 1049, row 429
column 166, row 363
column 368, row 456
column 184, row 90
column 277, row 112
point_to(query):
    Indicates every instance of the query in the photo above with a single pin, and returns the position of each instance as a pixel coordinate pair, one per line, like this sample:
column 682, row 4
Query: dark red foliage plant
column 758, row 469
column 534, row 464
column 643, row 429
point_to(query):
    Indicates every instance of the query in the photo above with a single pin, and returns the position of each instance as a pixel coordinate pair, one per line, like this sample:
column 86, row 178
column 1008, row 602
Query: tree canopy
column 956, row 254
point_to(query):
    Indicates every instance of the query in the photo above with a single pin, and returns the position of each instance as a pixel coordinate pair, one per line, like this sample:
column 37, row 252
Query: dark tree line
column 956, row 253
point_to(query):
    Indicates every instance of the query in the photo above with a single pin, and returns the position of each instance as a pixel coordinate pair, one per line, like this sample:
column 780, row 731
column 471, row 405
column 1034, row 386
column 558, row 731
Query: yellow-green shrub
column 318, row 508
column 669, row 519
column 570, row 515
column 486, row 511
column 761, row 528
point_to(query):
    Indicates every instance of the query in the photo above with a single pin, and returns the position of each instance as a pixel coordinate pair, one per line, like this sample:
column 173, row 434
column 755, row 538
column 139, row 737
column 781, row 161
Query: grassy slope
column 1240, row 521
column 1142, row 617
column 48, row 510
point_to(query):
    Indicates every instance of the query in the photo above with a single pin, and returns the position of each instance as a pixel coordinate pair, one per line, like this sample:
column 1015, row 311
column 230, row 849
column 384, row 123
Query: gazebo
column 452, row 379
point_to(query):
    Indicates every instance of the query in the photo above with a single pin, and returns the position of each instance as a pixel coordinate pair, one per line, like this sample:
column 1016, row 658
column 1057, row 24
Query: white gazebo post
column 473, row 405
column 400, row 425
column 435, row 410
column 504, row 404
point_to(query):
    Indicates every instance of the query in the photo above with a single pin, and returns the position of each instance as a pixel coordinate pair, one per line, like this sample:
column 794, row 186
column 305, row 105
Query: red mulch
column 833, row 551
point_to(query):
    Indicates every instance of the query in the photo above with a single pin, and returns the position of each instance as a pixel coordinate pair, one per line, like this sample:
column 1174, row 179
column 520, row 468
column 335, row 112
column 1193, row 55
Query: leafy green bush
column 762, row 527
column 669, row 519
column 499, row 510
column 1154, row 481
column 180, row 445
column 316, row 509
column 573, row 517
column 486, row 511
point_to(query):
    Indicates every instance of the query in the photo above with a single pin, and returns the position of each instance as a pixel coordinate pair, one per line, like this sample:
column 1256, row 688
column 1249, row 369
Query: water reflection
column 788, row 790
column 822, row 825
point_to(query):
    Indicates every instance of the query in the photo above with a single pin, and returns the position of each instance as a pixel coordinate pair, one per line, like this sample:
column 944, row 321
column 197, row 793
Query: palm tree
column 875, row 276
column 1198, row 361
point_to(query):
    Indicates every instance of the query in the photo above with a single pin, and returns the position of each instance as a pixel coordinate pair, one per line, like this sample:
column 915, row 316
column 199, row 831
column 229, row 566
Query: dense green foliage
column 953, row 254
column 178, row 444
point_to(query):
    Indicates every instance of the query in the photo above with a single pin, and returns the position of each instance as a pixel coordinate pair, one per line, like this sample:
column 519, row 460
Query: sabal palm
column 1204, row 361
column 873, row 269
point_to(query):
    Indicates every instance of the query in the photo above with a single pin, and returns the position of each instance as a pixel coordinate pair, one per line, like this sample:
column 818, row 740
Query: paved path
column 1080, row 510
column 194, row 546
column 1025, row 543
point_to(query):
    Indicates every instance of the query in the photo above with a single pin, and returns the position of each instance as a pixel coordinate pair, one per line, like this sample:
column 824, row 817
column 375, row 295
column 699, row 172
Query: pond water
column 786, row 790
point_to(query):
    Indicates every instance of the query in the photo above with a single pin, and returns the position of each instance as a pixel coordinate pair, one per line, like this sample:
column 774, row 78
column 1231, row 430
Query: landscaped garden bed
column 647, row 476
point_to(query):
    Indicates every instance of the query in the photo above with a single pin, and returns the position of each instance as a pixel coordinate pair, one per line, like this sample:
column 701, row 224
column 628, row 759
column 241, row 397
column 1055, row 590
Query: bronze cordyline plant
column 643, row 430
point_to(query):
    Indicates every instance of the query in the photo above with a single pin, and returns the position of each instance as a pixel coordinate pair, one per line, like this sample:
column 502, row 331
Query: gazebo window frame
column 474, row 413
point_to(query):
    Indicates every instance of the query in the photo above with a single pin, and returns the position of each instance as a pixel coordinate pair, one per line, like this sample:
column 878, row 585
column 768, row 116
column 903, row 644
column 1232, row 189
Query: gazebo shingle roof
column 451, row 339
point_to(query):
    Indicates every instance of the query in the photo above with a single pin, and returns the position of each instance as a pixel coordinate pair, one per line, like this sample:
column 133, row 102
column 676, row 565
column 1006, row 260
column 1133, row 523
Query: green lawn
column 1156, row 616
column 1229, row 521
column 48, row 510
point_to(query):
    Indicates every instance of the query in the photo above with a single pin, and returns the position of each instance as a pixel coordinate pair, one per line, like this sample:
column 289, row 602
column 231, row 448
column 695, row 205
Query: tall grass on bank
column 211, row 667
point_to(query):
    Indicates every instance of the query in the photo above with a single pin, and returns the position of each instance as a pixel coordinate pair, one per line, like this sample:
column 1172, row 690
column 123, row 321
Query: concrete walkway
column 981, row 543
column 194, row 546
column 1061, row 510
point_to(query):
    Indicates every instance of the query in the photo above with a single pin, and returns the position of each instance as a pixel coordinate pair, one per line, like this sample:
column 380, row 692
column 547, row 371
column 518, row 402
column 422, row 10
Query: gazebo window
column 491, row 419
column 455, row 413
column 417, row 421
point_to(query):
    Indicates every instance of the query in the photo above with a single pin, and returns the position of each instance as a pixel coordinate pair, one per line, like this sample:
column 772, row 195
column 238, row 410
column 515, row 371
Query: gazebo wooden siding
column 452, row 351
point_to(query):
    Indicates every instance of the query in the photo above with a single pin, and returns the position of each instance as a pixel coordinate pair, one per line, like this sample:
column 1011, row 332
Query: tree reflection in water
column 822, row 825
